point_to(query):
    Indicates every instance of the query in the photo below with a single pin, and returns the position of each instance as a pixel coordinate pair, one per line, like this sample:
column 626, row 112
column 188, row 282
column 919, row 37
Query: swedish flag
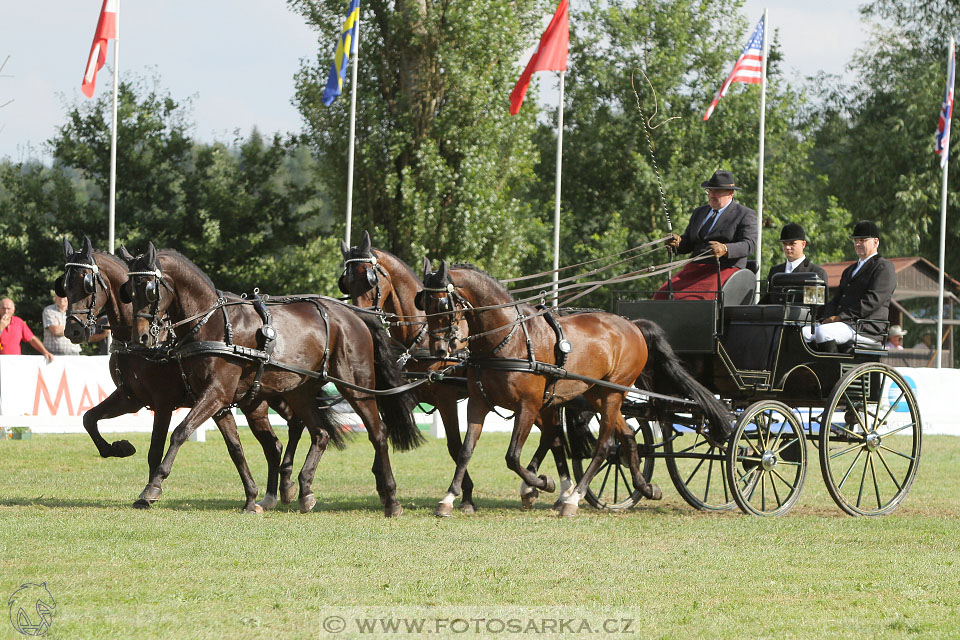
column 346, row 46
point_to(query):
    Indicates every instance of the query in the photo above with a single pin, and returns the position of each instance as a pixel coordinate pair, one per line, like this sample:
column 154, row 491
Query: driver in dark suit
column 725, row 230
column 866, row 288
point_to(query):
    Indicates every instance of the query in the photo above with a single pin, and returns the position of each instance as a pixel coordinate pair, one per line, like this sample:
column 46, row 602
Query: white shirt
column 860, row 263
column 793, row 265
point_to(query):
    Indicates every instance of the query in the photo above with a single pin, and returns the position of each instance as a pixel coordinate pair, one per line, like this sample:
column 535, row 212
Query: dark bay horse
column 605, row 347
column 314, row 339
column 375, row 278
column 91, row 282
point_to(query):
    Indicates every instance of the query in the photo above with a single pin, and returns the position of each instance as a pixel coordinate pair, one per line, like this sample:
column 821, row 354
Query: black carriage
column 859, row 413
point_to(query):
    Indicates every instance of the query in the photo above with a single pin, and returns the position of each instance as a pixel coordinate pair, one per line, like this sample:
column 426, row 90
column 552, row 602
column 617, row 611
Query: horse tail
column 669, row 369
column 395, row 409
column 580, row 441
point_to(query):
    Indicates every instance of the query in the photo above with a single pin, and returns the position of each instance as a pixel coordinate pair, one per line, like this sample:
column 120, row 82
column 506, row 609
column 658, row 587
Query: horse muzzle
column 75, row 331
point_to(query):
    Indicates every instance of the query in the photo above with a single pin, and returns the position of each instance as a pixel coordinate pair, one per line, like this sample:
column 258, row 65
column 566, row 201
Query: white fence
column 52, row 398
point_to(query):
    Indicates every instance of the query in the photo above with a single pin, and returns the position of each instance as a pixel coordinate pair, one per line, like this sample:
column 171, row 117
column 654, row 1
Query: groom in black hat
column 793, row 239
column 724, row 232
column 866, row 288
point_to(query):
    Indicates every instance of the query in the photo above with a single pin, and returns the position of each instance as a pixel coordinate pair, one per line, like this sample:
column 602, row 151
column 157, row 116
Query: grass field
column 195, row 567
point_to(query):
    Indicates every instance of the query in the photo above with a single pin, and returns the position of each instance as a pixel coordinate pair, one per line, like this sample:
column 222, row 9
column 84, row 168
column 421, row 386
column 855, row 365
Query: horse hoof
column 653, row 492
column 141, row 504
column 558, row 505
column 468, row 508
column 307, row 503
column 122, row 449
column 443, row 510
column 529, row 499
column 394, row 511
column 267, row 504
column 254, row 511
column 548, row 484
column 288, row 493
column 150, row 495
column 569, row 510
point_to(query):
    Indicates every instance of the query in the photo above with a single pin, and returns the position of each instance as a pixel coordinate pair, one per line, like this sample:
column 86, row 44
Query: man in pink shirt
column 13, row 331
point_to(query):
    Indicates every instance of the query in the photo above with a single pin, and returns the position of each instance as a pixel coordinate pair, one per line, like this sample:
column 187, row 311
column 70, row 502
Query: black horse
column 306, row 340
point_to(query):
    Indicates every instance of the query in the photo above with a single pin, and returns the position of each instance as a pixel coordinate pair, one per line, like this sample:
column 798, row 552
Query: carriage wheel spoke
column 786, row 446
column 694, row 472
column 603, row 484
column 616, row 483
column 852, row 465
column 897, row 453
column 853, row 407
column 898, row 429
column 743, row 477
column 876, row 486
column 846, row 451
column 883, row 461
column 783, row 480
column 863, row 481
column 753, row 485
column 763, row 492
column 706, row 490
column 892, row 407
column 626, row 484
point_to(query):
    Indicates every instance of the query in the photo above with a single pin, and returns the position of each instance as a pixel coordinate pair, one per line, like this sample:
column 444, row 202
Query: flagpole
column 112, row 206
column 353, row 125
column 556, row 206
column 943, row 219
column 763, row 110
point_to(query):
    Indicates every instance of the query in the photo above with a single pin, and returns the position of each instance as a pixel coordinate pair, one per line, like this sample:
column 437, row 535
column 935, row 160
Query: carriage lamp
column 814, row 294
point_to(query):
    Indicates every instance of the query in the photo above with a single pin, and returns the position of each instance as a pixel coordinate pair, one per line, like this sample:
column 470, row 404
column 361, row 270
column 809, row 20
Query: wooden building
column 914, row 307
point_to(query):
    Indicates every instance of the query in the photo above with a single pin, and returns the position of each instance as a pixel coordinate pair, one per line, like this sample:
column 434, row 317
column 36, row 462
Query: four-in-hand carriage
column 859, row 414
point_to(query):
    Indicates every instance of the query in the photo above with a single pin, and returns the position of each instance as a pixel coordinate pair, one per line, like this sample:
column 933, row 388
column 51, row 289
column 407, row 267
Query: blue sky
column 236, row 58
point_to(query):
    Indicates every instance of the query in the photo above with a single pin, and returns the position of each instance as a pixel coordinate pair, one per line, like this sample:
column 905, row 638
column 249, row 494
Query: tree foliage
column 441, row 167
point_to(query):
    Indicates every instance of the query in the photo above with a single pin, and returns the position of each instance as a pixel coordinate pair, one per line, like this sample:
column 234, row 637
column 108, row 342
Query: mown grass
column 195, row 567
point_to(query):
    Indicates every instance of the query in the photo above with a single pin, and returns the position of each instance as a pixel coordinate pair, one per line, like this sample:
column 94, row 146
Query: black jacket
column 736, row 228
column 865, row 296
column 804, row 267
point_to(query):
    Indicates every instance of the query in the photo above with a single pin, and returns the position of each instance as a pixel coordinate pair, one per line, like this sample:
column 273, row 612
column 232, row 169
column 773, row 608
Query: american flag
column 946, row 113
column 749, row 67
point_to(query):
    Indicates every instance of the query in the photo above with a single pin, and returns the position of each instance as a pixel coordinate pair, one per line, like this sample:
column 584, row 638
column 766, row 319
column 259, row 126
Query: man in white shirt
column 794, row 242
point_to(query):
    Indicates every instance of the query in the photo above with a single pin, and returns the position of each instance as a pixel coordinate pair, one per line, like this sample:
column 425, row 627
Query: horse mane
column 494, row 282
column 188, row 264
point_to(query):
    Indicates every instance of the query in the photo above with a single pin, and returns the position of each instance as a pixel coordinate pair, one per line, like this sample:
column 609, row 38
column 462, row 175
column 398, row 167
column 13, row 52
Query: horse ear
column 67, row 248
column 125, row 255
column 365, row 245
column 426, row 267
column 87, row 247
column 442, row 273
column 151, row 254
column 344, row 249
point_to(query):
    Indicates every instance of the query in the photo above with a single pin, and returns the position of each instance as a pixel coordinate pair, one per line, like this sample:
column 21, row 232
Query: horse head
column 442, row 304
column 363, row 278
column 150, row 294
column 85, row 289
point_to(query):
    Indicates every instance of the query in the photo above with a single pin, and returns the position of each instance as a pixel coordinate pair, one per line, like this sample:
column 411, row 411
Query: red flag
column 551, row 54
column 106, row 30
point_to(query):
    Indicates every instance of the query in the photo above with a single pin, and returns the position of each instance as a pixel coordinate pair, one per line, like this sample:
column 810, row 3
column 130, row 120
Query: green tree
column 611, row 197
column 441, row 167
column 876, row 137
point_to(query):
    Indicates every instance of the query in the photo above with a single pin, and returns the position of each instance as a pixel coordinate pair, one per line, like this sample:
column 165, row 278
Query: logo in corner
column 31, row 609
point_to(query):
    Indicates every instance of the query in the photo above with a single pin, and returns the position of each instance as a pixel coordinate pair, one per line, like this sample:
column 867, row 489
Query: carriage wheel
column 767, row 459
column 870, row 440
column 612, row 486
column 696, row 469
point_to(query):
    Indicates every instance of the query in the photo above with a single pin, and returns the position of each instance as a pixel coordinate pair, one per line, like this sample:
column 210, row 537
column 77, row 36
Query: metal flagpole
column 943, row 220
column 556, row 207
column 353, row 125
column 763, row 110
column 111, row 216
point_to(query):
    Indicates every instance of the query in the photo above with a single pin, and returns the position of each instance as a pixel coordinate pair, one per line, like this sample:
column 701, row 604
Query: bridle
column 453, row 306
column 90, row 282
column 151, row 291
column 371, row 278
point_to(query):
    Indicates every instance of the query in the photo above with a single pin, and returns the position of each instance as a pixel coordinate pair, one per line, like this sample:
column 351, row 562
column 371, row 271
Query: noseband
column 152, row 295
column 452, row 306
column 372, row 277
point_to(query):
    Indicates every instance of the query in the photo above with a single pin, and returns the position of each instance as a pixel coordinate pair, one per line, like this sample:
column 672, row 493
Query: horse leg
column 476, row 411
column 367, row 409
column 528, row 494
column 228, row 427
column 203, row 409
column 521, row 429
column 259, row 422
column 306, row 413
column 158, row 437
column 288, row 488
column 447, row 407
column 116, row 404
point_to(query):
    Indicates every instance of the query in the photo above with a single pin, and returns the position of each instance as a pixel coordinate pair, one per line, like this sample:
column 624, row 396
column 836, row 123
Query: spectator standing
column 14, row 330
column 54, row 321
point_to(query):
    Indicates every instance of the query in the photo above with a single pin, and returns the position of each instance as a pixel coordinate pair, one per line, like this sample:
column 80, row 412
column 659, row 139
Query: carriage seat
column 766, row 313
column 740, row 288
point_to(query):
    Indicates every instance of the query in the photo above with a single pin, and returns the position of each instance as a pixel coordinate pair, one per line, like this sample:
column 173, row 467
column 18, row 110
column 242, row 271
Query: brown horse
column 374, row 278
column 606, row 350
column 313, row 339
column 91, row 283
